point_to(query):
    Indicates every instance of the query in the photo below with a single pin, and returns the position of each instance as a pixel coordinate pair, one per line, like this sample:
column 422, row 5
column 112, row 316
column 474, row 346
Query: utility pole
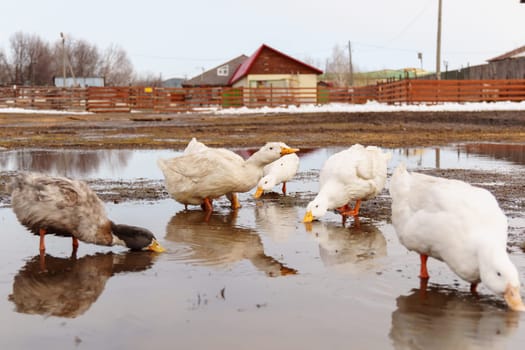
column 438, row 46
column 351, row 68
column 63, row 58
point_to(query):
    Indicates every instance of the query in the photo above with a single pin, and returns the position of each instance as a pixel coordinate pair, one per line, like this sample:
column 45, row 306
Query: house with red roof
column 267, row 77
column 268, row 67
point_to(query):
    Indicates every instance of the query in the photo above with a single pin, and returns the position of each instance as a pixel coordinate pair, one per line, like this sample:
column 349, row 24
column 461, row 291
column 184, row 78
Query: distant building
column 509, row 65
column 173, row 82
column 516, row 53
column 268, row 67
column 78, row 82
column 218, row 76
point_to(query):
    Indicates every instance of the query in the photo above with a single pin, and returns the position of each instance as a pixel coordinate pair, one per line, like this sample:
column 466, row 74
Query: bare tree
column 33, row 61
column 19, row 57
column 30, row 60
column 83, row 58
column 312, row 61
column 115, row 67
column 5, row 74
column 337, row 66
column 40, row 58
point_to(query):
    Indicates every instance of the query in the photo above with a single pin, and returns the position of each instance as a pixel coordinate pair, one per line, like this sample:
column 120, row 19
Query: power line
column 411, row 22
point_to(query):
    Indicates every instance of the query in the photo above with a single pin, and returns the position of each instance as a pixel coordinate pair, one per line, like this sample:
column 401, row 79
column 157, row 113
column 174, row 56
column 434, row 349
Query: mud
column 150, row 131
column 312, row 130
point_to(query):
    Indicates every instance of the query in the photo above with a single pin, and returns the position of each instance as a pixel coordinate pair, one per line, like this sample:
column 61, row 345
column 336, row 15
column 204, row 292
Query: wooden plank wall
column 170, row 100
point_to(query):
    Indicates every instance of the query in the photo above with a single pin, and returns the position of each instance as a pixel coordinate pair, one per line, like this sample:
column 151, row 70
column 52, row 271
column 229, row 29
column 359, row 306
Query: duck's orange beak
column 288, row 150
column 513, row 298
column 258, row 193
column 155, row 247
column 308, row 217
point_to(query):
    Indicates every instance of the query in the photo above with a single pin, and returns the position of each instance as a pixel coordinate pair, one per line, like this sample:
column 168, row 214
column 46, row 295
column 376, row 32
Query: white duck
column 456, row 223
column 200, row 177
column 279, row 171
column 357, row 173
column 194, row 146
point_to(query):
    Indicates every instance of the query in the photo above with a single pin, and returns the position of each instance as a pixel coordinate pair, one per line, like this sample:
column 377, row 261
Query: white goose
column 198, row 178
column 355, row 174
column 456, row 223
column 279, row 171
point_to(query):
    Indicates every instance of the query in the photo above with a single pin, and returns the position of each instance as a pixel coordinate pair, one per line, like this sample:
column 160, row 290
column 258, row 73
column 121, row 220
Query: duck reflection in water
column 67, row 287
column 276, row 220
column 220, row 242
column 358, row 244
column 442, row 318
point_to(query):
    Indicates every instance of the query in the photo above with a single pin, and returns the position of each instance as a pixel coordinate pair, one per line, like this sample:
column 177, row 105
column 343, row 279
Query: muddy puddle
column 256, row 278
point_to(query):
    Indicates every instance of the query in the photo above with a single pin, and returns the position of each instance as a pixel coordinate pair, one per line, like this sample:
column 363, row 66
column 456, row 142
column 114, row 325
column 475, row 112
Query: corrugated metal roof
column 520, row 51
column 80, row 81
column 244, row 68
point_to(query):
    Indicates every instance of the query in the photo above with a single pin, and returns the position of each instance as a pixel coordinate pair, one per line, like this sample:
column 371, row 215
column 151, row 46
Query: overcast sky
column 181, row 38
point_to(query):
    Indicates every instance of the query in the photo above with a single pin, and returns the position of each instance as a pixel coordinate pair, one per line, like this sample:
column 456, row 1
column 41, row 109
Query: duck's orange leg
column 207, row 205
column 347, row 211
column 473, row 287
column 284, row 188
column 423, row 272
column 75, row 244
column 342, row 210
column 234, row 200
column 42, row 233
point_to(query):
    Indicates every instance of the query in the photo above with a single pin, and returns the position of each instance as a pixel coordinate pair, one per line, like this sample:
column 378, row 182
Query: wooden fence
column 169, row 100
column 437, row 91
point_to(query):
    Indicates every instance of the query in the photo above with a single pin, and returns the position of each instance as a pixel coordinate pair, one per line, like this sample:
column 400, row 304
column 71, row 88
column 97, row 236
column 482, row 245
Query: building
column 268, row 67
column 509, row 65
column 218, row 76
column 268, row 77
column 173, row 83
column 78, row 82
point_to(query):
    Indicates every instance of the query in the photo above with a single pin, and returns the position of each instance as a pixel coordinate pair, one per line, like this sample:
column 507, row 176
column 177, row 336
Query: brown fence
column 438, row 91
column 167, row 100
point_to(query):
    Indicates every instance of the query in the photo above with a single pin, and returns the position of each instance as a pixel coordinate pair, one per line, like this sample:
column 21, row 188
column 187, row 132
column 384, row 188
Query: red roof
column 245, row 67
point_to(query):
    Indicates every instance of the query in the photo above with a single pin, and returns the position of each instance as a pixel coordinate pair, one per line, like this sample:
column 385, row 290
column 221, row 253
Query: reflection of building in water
column 69, row 286
column 446, row 319
column 276, row 220
column 72, row 163
column 418, row 154
column 510, row 152
column 354, row 245
column 220, row 242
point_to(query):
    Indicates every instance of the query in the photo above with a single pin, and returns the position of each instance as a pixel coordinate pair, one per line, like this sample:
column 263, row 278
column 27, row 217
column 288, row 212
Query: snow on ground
column 381, row 107
column 336, row 107
column 39, row 111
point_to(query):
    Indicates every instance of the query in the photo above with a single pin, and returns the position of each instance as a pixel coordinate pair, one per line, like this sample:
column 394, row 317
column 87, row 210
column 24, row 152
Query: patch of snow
column 40, row 111
column 382, row 107
column 334, row 107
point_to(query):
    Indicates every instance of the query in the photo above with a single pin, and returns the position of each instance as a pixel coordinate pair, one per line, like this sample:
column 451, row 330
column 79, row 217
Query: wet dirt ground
column 388, row 129
column 393, row 129
column 256, row 278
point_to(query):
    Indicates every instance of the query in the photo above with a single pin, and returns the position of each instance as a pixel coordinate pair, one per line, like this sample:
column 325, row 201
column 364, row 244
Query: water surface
column 258, row 278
